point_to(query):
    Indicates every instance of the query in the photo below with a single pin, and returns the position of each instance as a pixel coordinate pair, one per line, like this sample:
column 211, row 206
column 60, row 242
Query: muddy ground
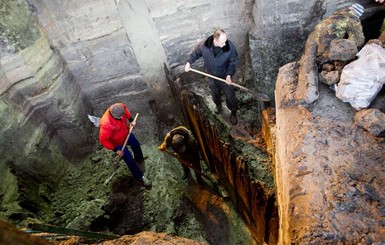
column 172, row 205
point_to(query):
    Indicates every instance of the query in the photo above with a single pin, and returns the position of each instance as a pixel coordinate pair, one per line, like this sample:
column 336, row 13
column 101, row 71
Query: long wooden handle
column 119, row 157
column 258, row 95
column 219, row 79
column 128, row 135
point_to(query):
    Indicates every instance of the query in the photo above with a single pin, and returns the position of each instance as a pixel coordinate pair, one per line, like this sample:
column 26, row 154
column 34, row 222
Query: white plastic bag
column 95, row 120
column 362, row 79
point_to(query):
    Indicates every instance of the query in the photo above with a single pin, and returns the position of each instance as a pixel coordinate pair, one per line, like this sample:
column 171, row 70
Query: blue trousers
column 130, row 161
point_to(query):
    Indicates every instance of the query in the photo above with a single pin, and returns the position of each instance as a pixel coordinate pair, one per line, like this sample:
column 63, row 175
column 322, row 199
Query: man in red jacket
column 113, row 132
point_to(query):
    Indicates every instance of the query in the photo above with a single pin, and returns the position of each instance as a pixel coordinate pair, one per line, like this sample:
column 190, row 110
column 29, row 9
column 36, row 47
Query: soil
column 173, row 205
column 124, row 206
column 330, row 174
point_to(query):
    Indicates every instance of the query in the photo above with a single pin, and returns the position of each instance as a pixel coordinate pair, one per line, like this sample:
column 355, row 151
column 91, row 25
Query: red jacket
column 113, row 132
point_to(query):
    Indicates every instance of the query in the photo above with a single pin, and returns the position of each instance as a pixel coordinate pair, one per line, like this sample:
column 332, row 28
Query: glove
column 186, row 164
column 187, row 67
column 228, row 80
column 162, row 147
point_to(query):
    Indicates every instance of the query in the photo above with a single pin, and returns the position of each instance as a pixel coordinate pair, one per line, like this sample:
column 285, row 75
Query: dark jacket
column 225, row 63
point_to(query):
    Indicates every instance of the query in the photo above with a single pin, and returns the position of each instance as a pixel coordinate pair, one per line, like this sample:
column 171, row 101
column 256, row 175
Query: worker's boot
column 146, row 182
column 200, row 181
column 218, row 108
column 187, row 173
column 233, row 118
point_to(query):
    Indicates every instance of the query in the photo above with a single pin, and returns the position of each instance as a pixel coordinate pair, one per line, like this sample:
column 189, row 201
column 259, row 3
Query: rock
column 329, row 78
column 343, row 49
column 87, row 210
column 339, row 65
column 382, row 38
column 375, row 41
column 327, row 67
column 372, row 120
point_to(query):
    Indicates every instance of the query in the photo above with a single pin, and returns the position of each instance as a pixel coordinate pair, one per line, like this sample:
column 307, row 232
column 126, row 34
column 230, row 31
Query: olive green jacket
column 343, row 24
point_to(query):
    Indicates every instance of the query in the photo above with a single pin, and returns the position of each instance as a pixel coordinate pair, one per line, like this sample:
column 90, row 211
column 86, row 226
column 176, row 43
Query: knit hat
column 358, row 9
column 117, row 111
column 178, row 142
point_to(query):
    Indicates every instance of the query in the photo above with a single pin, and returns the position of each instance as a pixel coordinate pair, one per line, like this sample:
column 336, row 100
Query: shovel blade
column 223, row 191
column 261, row 97
column 110, row 178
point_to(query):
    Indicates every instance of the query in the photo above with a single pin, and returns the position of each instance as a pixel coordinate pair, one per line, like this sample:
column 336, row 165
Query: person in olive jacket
column 185, row 148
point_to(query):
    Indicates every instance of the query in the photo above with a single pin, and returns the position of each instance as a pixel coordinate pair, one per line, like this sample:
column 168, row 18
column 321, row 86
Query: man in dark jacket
column 185, row 149
column 220, row 59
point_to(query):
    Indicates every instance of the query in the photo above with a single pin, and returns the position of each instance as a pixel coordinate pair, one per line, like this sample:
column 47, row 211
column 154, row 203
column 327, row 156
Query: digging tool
column 95, row 120
column 258, row 95
column 69, row 231
column 119, row 157
column 210, row 178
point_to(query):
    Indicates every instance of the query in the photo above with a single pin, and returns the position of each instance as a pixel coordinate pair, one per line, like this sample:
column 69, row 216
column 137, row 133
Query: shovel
column 119, row 158
column 258, row 95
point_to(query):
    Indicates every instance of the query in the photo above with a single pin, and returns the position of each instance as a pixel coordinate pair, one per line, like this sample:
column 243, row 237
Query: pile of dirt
column 152, row 238
column 329, row 170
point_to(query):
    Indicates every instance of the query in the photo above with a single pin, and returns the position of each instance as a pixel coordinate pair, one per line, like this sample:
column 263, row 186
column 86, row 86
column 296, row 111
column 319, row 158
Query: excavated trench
column 240, row 156
column 73, row 194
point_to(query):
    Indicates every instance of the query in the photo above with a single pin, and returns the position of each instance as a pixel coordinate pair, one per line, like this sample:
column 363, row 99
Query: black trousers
column 218, row 87
column 192, row 157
